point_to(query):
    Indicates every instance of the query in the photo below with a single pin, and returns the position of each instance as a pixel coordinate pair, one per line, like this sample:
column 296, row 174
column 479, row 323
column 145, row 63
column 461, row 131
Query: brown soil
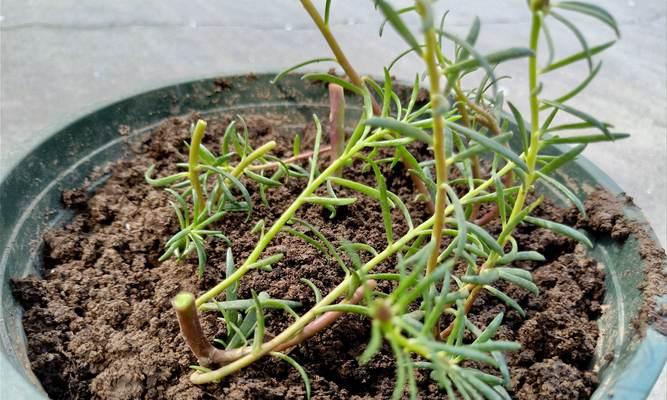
column 99, row 323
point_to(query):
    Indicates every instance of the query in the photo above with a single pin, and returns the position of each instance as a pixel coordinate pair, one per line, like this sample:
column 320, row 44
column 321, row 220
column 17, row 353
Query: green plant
column 436, row 281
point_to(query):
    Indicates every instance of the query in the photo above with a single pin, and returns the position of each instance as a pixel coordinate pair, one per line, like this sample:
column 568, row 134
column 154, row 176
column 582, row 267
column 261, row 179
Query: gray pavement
column 62, row 59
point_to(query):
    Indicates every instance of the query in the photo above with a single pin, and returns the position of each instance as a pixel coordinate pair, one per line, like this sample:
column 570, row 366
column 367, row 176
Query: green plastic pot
column 30, row 203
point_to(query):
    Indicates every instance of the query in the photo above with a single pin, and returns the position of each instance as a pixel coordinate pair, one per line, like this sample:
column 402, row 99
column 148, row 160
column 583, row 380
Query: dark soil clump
column 100, row 325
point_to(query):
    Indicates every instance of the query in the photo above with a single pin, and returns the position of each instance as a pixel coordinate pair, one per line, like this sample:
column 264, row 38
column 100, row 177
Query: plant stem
column 259, row 152
column 301, row 325
column 429, row 56
column 273, row 231
column 188, row 320
column 336, row 49
column 465, row 120
column 299, row 157
column 336, row 121
column 531, row 160
column 193, row 160
column 310, row 315
column 326, row 319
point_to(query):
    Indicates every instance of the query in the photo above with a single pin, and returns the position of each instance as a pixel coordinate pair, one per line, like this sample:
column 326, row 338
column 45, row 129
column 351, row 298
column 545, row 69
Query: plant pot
column 30, row 203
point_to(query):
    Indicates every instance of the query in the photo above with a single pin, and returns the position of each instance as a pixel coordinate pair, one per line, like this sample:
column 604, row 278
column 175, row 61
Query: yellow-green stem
column 193, row 160
column 273, row 231
column 437, row 99
column 531, row 161
column 333, row 43
column 299, row 324
column 259, row 152
column 338, row 291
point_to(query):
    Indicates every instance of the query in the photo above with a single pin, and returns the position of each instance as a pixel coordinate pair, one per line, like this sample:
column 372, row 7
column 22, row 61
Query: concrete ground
column 62, row 59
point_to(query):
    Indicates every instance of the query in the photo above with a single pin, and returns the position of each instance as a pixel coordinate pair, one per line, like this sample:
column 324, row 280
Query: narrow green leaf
column 306, row 239
column 295, row 364
column 471, row 38
column 577, row 33
column 258, row 341
column 327, row 14
column 521, row 256
column 303, row 64
column 316, row 149
column 520, row 272
column 577, row 57
column 334, row 79
column 478, row 148
column 550, row 42
column 565, row 191
column 491, row 58
column 484, row 236
column 166, row 181
column 331, row 250
column 397, row 23
column 586, row 138
column 399, row 12
column 549, row 120
column 484, row 278
column 384, row 202
column 467, row 352
column 490, row 144
column 521, row 282
column 561, row 229
column 480, row 60
column 261, row 179
column 480, row 386
column 591, row 10
column 506, row 299
column 562, row 159
column 523, row 132
column 401, row 128
column 296, row 146
column 500, row 198
column 461, row 221
column 491, row 329
column 580, row 87
column 340, row 201
column 201, row 254
column 575, row 126
column 266, row 261
column 313, row 287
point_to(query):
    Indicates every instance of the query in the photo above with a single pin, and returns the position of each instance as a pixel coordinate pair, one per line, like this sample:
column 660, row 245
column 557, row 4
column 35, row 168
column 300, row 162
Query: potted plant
column 400, row 249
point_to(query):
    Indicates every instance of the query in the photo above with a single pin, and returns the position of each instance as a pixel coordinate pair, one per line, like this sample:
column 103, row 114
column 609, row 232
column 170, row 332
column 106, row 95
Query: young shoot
column 439, row 265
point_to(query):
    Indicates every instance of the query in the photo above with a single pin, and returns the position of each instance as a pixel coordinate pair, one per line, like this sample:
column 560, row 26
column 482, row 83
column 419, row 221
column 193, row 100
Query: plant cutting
column 440, row 263
column 338, row 235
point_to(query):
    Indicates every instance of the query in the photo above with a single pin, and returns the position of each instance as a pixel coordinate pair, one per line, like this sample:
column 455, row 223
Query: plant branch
column 336, row 121
column 193, row 160
column 531, row 160
column 188, row 320
column 326, row 319
column 301, row 156
column 336, row 49
column 437, row 104
column 310, row 315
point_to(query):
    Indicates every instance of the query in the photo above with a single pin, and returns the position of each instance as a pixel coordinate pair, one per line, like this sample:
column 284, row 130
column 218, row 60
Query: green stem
column 193, row 160
column 429, row 56
column 336, row 49
column 332, row 42
column 299, row 324
column 273, row 231
column 259, row 152
column 531, row 160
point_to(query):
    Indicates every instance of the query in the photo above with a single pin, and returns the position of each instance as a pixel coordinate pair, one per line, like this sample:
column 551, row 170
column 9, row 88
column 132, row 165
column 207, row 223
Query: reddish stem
column 325, row 320
column 207, row 354
column 188, row 320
